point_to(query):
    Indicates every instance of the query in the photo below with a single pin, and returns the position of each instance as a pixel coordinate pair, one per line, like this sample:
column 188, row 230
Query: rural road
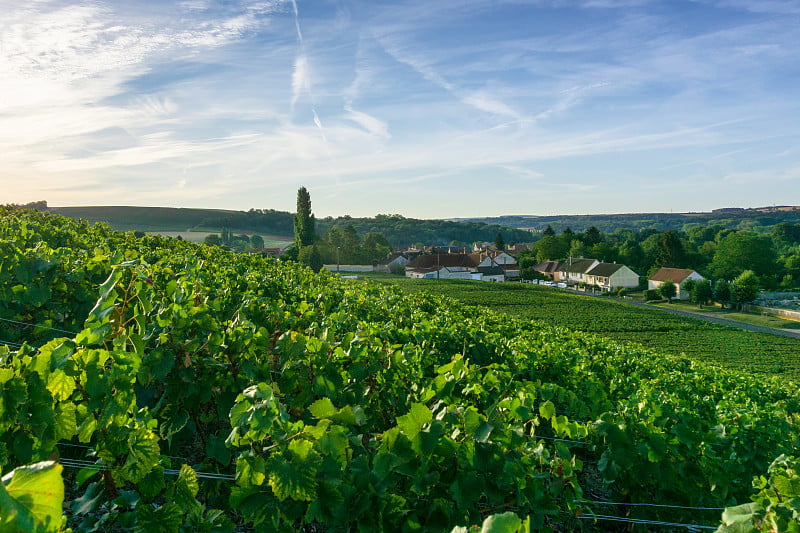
column 725, row 321
column 711, row 318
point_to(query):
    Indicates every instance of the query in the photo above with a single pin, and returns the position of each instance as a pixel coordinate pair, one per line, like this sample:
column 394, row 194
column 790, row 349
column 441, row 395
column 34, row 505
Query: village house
column 395, row 262
column 548, row 268
column 678, row 276
column 606, row 276
column 610, row 276
column 575, row 270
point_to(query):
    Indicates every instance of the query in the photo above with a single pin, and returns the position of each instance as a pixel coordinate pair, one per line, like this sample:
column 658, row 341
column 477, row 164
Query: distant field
column 666, row 333
column 270, row 241
column 127, row 218
column 173, row 219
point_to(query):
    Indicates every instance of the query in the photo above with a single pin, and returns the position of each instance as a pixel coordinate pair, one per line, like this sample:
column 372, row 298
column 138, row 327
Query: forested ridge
column 187, row 388
column 398, row 230
column 729, row 218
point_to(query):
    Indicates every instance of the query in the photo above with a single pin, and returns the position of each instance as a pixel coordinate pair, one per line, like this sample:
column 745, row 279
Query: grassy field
column 662, row 332
column 270, row 241
column 171, row 219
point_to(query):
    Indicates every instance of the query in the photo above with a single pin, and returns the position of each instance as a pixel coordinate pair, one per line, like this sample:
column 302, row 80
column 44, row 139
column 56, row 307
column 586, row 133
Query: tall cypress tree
column 304, row 234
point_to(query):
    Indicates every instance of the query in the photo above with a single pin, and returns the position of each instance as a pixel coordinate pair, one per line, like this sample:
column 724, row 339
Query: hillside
column 399, row 231
column 733, row 218
column 185, row 387
column 127, row 218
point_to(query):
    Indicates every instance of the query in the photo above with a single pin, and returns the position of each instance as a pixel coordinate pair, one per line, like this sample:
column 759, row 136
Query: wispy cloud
column 223, row 102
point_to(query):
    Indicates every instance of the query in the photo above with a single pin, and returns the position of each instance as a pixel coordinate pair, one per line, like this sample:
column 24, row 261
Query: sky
column 424, row 108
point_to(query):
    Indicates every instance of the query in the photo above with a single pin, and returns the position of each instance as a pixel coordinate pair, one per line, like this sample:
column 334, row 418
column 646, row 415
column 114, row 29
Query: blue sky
column 434, row 108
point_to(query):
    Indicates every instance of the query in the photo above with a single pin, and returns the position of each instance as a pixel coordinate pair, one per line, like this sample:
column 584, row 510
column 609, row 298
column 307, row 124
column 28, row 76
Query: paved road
column 712, row 318
column 725, row 321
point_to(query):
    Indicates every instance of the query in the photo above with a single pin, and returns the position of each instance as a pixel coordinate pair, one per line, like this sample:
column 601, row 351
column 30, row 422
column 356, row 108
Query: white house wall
column 682, row 293
column 624, row 277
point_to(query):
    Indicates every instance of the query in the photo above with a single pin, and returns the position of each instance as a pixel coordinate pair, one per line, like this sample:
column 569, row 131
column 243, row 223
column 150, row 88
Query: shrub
column 651, row 294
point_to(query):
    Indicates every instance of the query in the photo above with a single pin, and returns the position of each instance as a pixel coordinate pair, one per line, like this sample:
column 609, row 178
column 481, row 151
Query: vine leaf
column 411, row 423
column 167, row 518
column 31, row 497
column 295, row 478
column 143, row 456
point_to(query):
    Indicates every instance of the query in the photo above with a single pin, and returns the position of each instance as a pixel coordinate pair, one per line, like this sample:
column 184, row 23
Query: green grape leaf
column 152, row 484
column 166, row 519
column 31, row 497
column 60, row 385
column 250, row 471
column 217, row 450
column 87, row 429
column 739, row 519
column 174, row 424
column 502, row 523
column 412, row 423
column 295, row 478
column 85, row 474
column 322, row 408
column 547, row 410
column 143, row 454
column 186, row 487
column 66, row 421
column 88, row 502
column 334, row 443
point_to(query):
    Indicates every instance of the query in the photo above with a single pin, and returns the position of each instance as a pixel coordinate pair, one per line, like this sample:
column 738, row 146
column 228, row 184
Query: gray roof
column 577, row 266
column 491, row 271
column 605, row 269
column 548, row 266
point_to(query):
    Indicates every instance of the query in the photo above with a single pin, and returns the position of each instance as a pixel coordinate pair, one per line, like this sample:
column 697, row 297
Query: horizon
column 433, row 110
column 598, row 214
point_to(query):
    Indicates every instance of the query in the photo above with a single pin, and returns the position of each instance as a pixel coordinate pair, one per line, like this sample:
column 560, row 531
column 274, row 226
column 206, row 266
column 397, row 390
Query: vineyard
column 666, row 333
column 158, row 385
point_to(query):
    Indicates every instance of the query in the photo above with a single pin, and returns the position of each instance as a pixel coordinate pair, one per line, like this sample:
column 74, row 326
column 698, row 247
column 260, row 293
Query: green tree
column 549, row 248
column 499, row 243
column 213, row 240
column 592, row 236
column 603, row 252
column 577, row 249
column 351, row 239
column 632, row 255
column 668, row 290
column 304, row 232
column 376, row 245
column 701, row 292
column 548, row 231
column 785, row 233
column 256, row 241
column 744, row 288
column 335, row 237
column 669, row 250
column 688, row 286
column 742, row 251
column 309, row 256
column 226, row 236
column 722, row 292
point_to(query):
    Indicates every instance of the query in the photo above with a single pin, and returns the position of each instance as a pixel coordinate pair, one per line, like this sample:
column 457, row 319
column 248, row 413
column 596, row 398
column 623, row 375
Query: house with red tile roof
column 678, row 276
